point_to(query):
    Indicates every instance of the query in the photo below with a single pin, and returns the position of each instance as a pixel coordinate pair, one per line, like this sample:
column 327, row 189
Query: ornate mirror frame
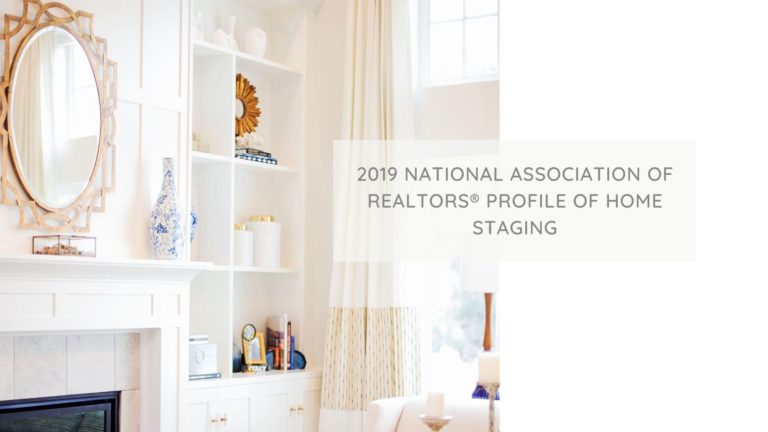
column 245, row 93
column 75, row 217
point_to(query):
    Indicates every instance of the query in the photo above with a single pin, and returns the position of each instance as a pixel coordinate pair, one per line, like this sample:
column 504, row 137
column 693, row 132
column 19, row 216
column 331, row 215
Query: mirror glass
column 239, row 109
column 55, row 117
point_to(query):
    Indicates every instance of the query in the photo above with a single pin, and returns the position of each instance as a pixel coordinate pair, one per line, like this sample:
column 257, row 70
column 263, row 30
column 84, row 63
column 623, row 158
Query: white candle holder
column 435, row 423
column 491, row 389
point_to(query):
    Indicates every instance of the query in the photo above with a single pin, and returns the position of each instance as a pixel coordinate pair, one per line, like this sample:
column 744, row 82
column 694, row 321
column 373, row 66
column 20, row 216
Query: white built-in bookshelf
column 225, row 190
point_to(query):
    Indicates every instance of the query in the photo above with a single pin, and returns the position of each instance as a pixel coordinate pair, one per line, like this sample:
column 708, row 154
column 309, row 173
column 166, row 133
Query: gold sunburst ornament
column 248, row 111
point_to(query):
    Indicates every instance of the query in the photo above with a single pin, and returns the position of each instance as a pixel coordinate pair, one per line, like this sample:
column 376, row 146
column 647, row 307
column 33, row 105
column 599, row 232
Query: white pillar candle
column 243, row 246
column 488, row 368
column 435, row 404
column 266, row 241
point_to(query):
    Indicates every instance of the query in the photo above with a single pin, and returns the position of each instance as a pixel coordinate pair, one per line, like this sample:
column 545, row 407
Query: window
column 454, row 327
column 460, row 40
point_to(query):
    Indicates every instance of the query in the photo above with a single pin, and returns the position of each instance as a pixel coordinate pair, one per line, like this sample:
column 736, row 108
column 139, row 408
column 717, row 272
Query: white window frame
column 424, row 27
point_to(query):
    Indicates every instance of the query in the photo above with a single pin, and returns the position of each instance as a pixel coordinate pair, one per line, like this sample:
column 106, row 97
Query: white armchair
column 402, row 415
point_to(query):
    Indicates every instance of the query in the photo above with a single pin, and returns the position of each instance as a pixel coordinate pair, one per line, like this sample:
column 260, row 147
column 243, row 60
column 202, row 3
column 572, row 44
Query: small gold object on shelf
column 64, row 245
column 254, row 350
column 435, row 423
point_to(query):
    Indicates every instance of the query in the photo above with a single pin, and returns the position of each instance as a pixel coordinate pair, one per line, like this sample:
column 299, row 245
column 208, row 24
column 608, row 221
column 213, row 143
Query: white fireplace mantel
column 53, row 294
column 48, row 266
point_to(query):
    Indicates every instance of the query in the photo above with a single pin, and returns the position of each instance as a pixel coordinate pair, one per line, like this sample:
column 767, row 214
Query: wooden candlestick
column 435, row 423
column 487, row 339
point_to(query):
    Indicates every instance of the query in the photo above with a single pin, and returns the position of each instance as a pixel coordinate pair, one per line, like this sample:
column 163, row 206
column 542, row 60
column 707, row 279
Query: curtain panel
column 372, row 345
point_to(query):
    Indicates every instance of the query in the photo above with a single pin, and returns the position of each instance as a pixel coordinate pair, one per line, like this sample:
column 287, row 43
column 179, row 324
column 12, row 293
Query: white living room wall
column 459, row 111
column 149, row 42
column 325, row 76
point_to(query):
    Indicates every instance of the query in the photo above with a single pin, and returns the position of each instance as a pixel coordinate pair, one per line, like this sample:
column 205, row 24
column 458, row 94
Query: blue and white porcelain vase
column 193, row 220
column 166, row 223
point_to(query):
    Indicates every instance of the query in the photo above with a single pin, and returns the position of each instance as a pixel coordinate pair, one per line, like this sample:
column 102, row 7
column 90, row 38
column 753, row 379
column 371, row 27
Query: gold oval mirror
column 61, row 94
column 54, row 117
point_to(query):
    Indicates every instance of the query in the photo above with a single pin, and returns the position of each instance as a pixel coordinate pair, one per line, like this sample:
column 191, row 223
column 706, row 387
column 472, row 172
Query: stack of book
column 255, row 155
column 280, row 341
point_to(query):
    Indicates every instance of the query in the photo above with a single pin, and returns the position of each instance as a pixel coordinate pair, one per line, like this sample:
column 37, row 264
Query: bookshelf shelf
column 261, row 167
column 218, row 268
column 266, row 270
column 201, row 158
column 245, row 62
column 258, row 377
column 226, row 190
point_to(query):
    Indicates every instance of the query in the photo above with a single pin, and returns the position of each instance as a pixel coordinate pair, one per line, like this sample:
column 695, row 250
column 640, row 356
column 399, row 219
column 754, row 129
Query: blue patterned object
column 481, row 393
column 166, row 223
column 256, row 158
column 193, row 220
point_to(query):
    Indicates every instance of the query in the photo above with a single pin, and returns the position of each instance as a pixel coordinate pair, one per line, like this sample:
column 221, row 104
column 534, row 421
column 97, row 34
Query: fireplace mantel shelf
column 63, row 267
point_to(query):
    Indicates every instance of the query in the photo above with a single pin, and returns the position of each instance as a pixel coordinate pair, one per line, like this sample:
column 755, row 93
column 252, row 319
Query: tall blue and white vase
column 193, row 220
column 166, row 223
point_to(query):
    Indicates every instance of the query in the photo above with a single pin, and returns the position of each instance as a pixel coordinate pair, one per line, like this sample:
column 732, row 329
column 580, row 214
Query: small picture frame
column 254, row 350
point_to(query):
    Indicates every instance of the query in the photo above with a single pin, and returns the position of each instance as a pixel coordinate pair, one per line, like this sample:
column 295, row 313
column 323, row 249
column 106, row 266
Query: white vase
column 227, row 38
column 256, row 42
column 166, row 223
column 231, row 20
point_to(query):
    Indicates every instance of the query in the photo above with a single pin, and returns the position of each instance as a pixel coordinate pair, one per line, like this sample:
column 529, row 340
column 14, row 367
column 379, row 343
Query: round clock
column 249, row 332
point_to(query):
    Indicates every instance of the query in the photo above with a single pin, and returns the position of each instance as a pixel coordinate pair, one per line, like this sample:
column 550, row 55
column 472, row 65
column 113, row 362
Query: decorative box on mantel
column 69, row 245
column 44, row 295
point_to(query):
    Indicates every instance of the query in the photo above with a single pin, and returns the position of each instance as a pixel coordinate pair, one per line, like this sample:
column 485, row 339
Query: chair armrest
column 383, row 415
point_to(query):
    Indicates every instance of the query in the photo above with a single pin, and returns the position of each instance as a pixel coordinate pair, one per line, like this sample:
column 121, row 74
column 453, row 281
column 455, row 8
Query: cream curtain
column 33, row 116
column 372, row 346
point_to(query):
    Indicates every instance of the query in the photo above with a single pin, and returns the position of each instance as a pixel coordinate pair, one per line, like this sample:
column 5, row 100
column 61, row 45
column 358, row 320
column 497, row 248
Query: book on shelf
column 277, row 330
column 252, row 151
column 254, row 158
column 205, row 376
column 289, row 346
column 292, row 351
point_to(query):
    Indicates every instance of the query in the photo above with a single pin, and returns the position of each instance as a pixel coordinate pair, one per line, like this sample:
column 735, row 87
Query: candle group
column 435, row 404
column 488, row 368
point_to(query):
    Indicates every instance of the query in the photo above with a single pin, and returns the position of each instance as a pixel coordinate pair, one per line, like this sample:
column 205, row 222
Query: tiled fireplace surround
column 75, row 325
column 55, row 365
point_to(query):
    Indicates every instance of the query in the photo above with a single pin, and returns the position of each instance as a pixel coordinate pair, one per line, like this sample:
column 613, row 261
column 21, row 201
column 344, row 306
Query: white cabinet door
column 235, row 412
column 273, row 403
column 201, row 410
column 281, row 406
column 311, row 411
column 307, row 393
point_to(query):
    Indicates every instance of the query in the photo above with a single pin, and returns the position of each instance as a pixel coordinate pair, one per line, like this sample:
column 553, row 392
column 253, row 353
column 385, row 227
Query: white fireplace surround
column 86, row 304
column 34, row 366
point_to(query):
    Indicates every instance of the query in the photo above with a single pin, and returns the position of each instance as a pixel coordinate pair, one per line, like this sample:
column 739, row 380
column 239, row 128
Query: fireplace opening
column 94, row 412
